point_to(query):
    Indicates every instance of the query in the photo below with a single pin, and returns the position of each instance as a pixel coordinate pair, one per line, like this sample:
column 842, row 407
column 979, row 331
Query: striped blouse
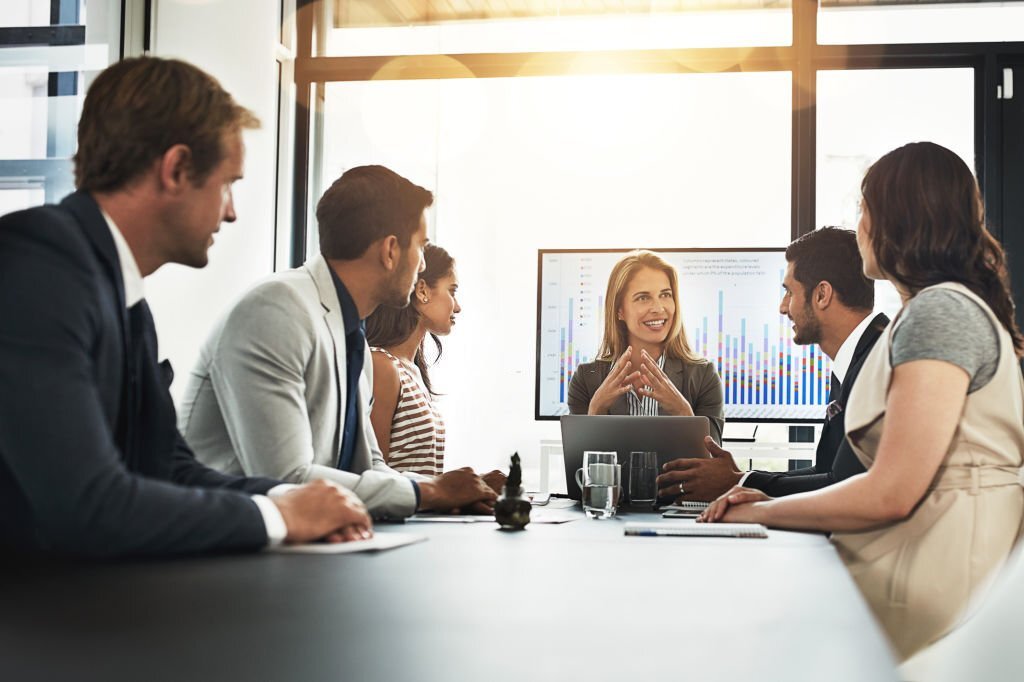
column 417, row 429
column 646, row 406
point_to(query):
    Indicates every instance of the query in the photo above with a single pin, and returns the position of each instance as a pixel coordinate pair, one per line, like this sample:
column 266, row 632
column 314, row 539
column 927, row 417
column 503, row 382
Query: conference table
column 571, row 601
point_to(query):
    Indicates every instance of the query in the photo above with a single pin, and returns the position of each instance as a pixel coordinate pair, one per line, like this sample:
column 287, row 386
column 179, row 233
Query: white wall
column 234, row 40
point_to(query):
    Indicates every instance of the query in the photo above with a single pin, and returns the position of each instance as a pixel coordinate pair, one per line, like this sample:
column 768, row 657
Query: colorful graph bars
column 729, row 303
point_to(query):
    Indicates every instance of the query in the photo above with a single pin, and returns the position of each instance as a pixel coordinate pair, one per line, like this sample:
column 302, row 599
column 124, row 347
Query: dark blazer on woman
column 698, row 382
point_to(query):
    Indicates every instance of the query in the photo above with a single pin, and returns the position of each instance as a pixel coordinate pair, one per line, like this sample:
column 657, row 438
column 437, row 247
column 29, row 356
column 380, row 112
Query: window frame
column 804, row 58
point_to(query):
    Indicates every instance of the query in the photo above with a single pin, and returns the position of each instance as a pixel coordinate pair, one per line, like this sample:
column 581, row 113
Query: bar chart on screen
column 729, row 303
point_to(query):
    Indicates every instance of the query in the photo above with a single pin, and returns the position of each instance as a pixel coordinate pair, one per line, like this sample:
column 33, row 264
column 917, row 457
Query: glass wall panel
column 17, row 198
column 23, row 113
column 42, row 88
column 852, row 22
column 518, row 164
column 25, row 13
column 370, row 27
column 864, row 114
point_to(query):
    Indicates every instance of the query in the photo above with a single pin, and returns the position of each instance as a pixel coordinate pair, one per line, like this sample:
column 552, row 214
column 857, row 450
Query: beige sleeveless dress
column 919, row 574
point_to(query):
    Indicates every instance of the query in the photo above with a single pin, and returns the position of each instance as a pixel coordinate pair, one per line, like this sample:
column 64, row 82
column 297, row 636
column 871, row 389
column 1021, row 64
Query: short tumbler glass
column 643, row 475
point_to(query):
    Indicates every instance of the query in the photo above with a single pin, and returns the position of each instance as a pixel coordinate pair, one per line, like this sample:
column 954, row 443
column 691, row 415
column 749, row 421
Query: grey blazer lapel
column 620, row 406
column 319, row 271
column 676, row 371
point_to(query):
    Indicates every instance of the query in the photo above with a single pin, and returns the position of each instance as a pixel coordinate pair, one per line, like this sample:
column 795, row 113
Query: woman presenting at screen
column 645, row 365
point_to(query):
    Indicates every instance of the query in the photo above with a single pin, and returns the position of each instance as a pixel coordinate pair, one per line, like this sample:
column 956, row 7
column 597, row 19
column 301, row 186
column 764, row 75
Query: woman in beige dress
column 936, row 415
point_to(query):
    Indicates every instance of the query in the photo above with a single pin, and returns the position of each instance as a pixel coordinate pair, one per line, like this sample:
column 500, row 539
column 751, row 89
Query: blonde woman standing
column 645, row 365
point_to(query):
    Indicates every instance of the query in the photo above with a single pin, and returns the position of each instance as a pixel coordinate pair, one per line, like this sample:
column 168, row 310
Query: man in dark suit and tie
column 91, row 461
column 829, row 301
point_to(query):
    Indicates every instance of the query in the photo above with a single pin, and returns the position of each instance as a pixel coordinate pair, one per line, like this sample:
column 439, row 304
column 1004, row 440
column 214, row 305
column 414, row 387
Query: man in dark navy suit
column 91, row 461
column 829, row 301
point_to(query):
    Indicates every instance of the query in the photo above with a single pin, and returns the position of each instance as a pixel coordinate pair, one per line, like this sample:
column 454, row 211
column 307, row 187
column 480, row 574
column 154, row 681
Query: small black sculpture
column 512, row 510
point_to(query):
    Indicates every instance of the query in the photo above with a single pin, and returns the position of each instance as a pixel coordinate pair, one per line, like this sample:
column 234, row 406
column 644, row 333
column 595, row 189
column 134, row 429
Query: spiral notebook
column 701, row 530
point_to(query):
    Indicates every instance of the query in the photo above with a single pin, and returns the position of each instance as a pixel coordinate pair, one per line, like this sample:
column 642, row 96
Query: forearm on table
column 859, row 503
column 925, row 400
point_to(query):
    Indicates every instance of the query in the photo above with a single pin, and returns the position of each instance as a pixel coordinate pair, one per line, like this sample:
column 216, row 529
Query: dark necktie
column 355, row 345
column 150, row 423
column 835, row 391
column 138, row 320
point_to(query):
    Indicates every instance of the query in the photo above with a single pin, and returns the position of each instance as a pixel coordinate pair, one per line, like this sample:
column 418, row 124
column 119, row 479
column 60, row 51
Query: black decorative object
column 512, row 510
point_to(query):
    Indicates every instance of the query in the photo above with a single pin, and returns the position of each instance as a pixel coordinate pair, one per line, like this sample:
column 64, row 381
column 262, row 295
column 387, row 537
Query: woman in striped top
column 407, row 423
column 645, row 365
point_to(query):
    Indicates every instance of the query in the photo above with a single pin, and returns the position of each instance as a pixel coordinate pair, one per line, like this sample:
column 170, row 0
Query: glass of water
column 600, row 480
column 643, row 475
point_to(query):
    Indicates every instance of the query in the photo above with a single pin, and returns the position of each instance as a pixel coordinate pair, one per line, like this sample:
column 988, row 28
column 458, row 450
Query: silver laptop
column 670, row 437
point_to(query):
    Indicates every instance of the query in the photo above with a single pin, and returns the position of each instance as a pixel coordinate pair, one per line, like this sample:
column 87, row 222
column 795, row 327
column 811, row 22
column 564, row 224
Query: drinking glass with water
column 600, row 479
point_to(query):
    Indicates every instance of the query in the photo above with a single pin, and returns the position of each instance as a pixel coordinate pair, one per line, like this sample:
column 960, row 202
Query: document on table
column 691, row 529
column 377, row 543
column 536, row 516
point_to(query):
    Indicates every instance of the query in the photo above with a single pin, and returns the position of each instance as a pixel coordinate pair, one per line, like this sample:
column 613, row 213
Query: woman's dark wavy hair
column 928, row 226
column 388, row 327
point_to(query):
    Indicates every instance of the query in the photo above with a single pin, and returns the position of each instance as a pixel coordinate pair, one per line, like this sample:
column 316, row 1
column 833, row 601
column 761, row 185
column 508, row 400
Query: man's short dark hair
column 366, row 204
column 139, row 108
column 830, row 255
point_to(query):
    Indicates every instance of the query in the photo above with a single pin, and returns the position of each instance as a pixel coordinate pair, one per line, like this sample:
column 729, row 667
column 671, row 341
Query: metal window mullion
column 988, row 144
column 304, row 26
column 805, row 38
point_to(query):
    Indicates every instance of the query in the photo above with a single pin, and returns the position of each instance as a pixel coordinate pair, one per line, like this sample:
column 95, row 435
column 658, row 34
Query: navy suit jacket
column 91, row 461
column 834, row 459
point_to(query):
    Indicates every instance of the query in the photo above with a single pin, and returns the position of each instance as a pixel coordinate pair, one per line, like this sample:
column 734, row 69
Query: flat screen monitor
column 729, row 301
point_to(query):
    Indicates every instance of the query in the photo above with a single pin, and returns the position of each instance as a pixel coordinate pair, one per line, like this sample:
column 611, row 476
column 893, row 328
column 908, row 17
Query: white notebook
column 704, row 530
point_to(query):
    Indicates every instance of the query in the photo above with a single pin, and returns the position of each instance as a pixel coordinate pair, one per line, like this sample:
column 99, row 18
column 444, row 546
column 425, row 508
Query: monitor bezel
column 537, row 356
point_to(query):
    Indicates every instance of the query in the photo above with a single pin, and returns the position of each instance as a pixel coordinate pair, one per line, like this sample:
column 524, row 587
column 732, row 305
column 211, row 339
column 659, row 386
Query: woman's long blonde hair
column 616, row 336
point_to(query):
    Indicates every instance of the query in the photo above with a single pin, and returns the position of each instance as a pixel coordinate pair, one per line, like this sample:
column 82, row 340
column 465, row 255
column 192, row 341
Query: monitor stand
column 800, row 434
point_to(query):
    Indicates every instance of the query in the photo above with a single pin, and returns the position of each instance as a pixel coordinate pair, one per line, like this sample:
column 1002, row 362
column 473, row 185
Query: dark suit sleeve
column 709, row 400
column 187, row 470
column 61, row 461
column 805, row 480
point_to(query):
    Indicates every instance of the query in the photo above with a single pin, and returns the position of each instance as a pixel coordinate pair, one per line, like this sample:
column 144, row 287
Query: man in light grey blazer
column 283, row 385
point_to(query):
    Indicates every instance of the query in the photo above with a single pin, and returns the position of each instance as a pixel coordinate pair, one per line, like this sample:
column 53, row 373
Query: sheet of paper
column 450, row 518
column 378, row 542
column 536, row 516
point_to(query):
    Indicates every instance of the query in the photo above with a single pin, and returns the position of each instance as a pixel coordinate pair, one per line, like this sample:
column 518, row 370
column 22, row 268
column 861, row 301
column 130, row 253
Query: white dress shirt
column 841, row 362
column 277, row 530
